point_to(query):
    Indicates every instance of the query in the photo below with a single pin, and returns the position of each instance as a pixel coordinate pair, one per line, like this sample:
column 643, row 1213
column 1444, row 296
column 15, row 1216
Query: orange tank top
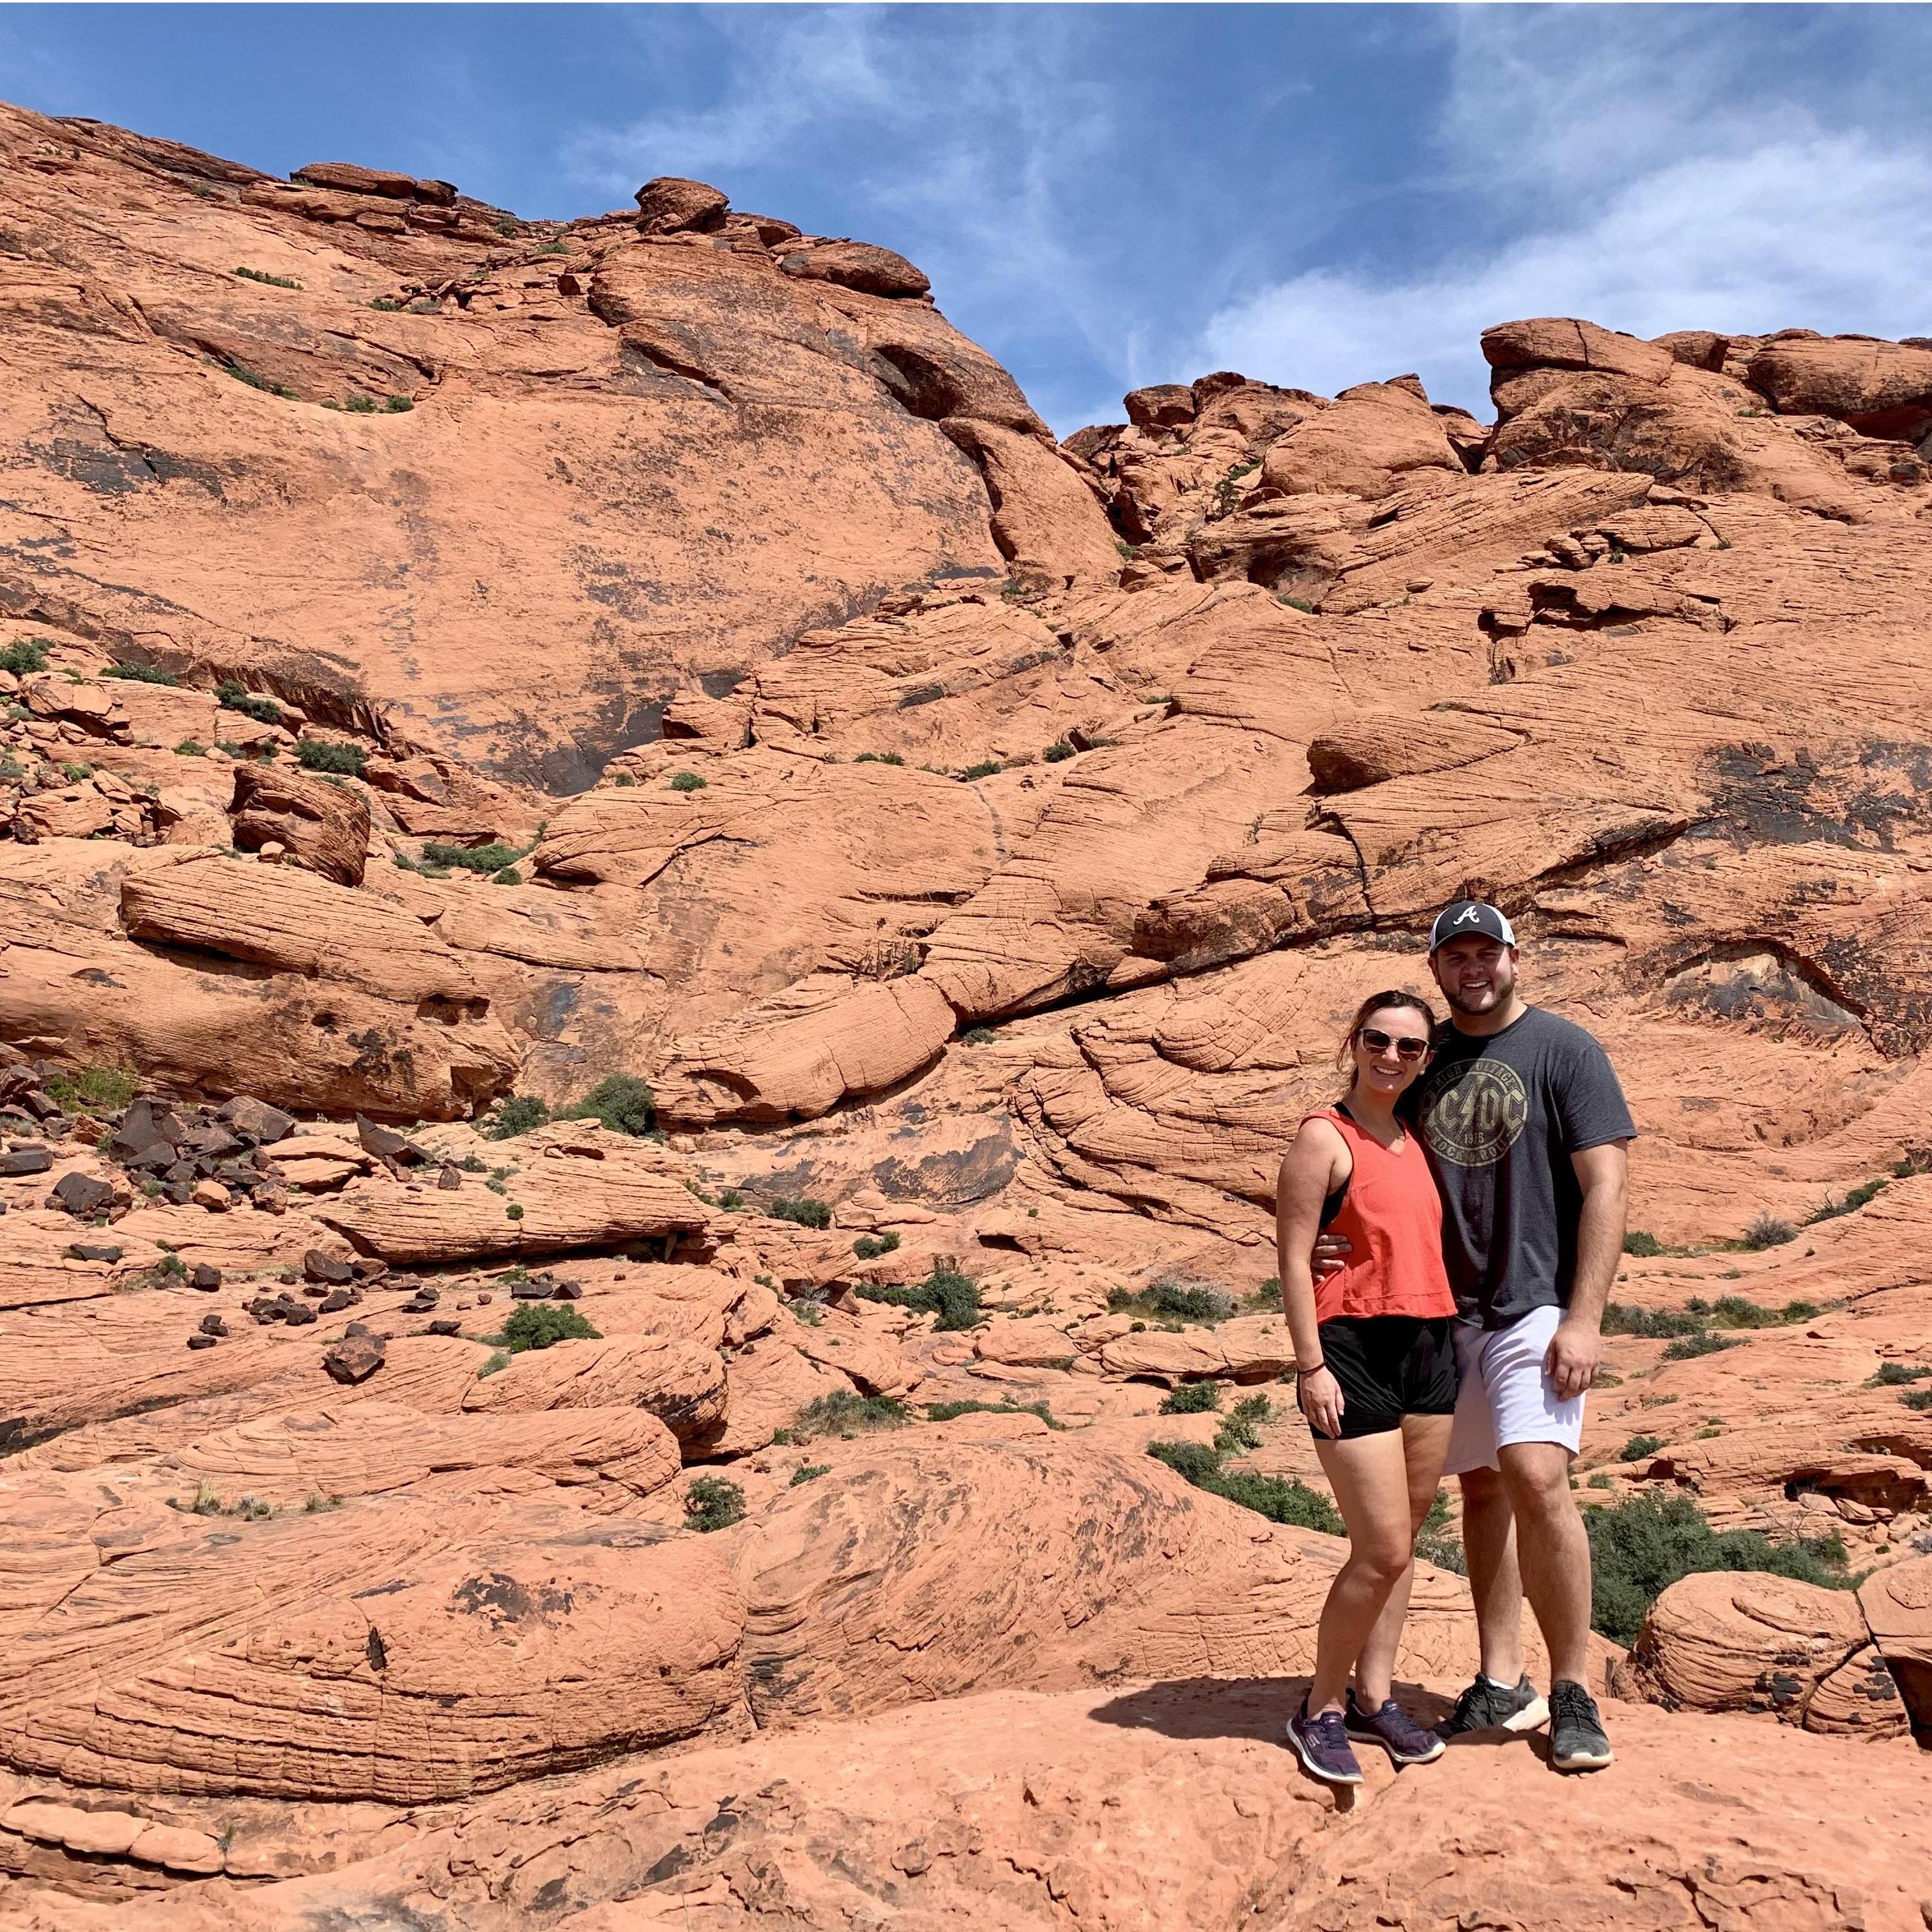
column 1393, row 1216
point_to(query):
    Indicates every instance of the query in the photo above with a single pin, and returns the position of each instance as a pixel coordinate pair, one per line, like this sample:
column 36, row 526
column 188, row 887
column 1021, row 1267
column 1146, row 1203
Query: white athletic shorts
column 1504, row 1396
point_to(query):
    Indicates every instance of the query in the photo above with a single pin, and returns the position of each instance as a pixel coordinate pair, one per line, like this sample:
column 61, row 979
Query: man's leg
column 1553, row 1550
column 1490, row 1542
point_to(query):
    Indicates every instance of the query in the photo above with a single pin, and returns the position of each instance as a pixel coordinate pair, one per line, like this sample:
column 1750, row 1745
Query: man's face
column 1476, row 974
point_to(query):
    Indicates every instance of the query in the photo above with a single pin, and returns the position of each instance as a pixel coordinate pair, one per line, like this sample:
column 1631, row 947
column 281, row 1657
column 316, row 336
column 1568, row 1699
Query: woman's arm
column 1311, row 1170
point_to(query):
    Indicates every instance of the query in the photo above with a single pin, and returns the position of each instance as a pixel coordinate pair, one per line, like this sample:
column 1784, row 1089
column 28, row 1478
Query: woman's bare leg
column 1425, row 1440
column 1369, row 1476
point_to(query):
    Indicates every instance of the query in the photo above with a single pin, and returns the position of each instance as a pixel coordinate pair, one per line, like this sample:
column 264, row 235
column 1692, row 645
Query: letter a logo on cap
column 1470, row 915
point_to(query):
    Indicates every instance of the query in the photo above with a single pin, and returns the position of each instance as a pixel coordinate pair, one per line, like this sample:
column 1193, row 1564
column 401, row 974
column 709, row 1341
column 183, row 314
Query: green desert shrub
column 1434, row 1543
column 139, row 673
column 987, row 769
column 231, row 695
column 1641, row 1546
column 1241, row 1429
column 713, row 1502
column 1688, row 1348
column 93, row 1090
column 802, row 1210
column 273, row 281
column 621, row 1102
column 490, row 858
column 517, row 1113
column 809, row 1472
column 845, row 1414
column 1057, row 752
column 1639, row 1447
column 1192, row 1399
column 1894, row 1374
column 1637, row 1243
column 946, row 1292
column 870, row 1247
column 1766, row 1230
column 541, row 1324
column 30, row 654
column 687, row 781
column 318, row 754
column 945, row 1411
column 1281, row 1499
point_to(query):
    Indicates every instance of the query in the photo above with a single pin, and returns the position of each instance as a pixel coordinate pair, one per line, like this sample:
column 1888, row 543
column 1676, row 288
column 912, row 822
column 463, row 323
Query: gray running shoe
column 1485, row 1706
column 1394, row 1729
column 1322, row 1744
column 1577, row 1739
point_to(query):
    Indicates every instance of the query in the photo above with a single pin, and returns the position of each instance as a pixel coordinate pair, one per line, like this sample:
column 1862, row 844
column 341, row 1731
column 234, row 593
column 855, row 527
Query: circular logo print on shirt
column 1474, row 1111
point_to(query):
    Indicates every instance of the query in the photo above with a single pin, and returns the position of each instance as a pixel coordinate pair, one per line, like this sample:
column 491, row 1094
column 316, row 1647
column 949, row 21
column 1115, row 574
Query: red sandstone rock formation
column 683, row 655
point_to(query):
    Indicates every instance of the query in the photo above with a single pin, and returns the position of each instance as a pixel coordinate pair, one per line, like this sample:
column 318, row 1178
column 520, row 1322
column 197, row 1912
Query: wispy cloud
column 1640, row 174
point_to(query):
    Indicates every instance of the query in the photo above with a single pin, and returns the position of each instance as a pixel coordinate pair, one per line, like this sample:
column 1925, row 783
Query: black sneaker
column 1577, row 1739
column 1322, row 1744
column 1485, row 1706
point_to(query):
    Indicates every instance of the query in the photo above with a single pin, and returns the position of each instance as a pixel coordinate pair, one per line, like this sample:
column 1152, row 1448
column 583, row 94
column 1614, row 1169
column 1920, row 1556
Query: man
column 1528, row 1132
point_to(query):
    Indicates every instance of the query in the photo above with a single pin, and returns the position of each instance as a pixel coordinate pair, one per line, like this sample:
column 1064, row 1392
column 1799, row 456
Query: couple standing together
column 1449, row 1231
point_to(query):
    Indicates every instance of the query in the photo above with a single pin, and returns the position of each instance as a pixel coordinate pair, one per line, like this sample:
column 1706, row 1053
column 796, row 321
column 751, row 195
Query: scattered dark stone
column 213, row 1324
column 155, row 1158
column 136, row 1135
column 263, row 1124
column 335, row 1300
column 213, row 1141
column 485, row 1299
column 14, row 1080
column 368, row 1268
column 416, row 1308
column 25, row 1160
column 450, row 1178
column 529, row 1290
column 184, row 1170
column 359, row 1328
column 355, row 1358
column 42, row 1106
column 319, row 1267
column 567, row 1291
column 57, row 1126
column 205, row 1276
column 386, row 1144
column 178, row 1192
column 445, row 1326
column 94, row 1251
column 297, row 1314
column 80, row 1195
column 201, row 1341
column 265, row 1309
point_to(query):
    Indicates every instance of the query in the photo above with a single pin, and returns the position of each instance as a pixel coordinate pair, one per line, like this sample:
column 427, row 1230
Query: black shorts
column 1389, row 1366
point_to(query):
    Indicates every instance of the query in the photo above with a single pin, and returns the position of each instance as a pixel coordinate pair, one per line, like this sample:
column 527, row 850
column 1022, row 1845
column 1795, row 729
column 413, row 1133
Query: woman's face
column 1390, row 1049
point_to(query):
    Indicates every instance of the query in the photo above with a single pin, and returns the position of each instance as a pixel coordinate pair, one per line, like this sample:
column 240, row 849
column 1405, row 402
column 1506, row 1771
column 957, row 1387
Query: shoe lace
column 1572, row 1701
column 1475, row 1699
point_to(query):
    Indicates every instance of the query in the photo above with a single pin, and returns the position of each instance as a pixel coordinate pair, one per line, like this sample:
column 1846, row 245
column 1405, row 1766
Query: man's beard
column 1496, row 994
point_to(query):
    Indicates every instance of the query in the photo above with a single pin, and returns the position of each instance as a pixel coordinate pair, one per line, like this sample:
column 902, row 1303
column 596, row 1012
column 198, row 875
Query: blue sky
column 1109, row 196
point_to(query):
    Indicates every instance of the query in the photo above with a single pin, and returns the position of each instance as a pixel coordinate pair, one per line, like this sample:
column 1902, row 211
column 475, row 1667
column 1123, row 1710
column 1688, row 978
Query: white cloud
column 1828, row 233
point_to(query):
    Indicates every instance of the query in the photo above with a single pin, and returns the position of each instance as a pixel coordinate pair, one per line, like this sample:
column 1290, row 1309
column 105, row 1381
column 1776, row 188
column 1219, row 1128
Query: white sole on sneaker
column 1529, row 1716
column 1395, row 1757
column 1592, row 1763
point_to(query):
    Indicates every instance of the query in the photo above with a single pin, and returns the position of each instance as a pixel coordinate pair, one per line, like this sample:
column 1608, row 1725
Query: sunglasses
column 1406, row 1048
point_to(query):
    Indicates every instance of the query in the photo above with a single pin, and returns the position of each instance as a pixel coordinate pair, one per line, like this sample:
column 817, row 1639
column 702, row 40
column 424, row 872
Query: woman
column 1376, row 1377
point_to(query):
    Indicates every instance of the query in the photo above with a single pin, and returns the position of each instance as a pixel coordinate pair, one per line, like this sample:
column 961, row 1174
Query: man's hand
column 1331, row 1252
column 1572, row 1358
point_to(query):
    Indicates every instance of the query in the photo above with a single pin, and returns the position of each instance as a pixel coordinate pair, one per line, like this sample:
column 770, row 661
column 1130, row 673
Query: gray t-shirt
column 1500, row 1118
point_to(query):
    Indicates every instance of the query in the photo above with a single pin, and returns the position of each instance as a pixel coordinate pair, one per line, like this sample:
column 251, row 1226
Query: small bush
column 1242, row 1429
column 869, row 1248
column 731, row 1201
column 1639, row 1547
column 497, row 1363
column 1766, row 1230
column 29, row 655
column 945, row 1411
column 517, row 1113
column 317, row 754
column 621, row 1102
column 74, row 774
column 804, row 1211
column 492, row 858
column 136, row 673
column 191, row 747
column 266, row 384
column 93, row 1089
column 946, row 1292
column 273, row 281
column 397, row 406
column 1893, row 1375
column 1280, row 1499
column 1301, row 604
column 1850, row 1203
column 1688, row 1348
column 1919, row 1399
column 1175, row 1301
column 1433, row 1542
column 878, row 758
column 1192, row 1399
column 384, row 306
column 358, row 404
column 233, row 696
column 713, row 1502
column 1636, row 1242
column 1639, row 1448
column 990, row 768
column 846, row 1414
column 810, row 1472
column 978, row 1035
column 1057, row 752
column 686, row 782
column 542, row 1324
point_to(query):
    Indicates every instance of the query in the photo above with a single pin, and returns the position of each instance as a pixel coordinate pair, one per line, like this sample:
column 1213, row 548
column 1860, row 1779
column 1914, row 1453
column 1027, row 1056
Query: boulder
column 1375, row 436
column 856, row 265
column 1564, row 342
column 347, row 178
column 324, row 827
column 1160, row 406
column 1881, row 388
column 1897, row 1605
column 670, row 205
column 679, row 1383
